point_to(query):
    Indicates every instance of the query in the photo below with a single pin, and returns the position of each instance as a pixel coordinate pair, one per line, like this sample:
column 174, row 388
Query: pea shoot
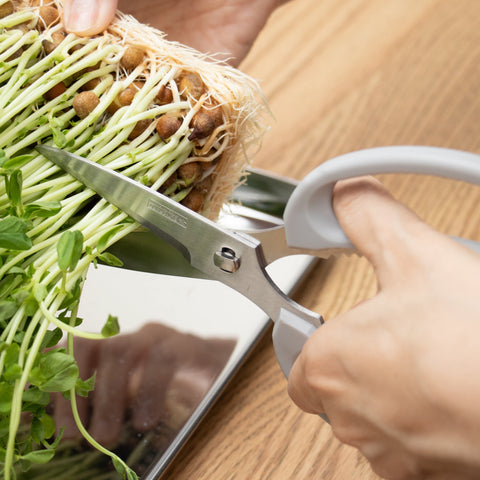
column 135, row 103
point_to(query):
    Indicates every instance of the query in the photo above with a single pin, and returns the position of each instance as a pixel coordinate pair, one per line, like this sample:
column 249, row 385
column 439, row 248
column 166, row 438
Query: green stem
column 19, row 387
column 68, row 328
column 90, row 439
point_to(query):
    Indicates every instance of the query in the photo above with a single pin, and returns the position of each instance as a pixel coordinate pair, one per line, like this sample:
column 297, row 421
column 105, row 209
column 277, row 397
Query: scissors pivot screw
column 226, row 260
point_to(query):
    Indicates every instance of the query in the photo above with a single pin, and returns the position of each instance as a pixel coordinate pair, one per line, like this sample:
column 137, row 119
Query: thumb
column 384, row 230
column 88, row 17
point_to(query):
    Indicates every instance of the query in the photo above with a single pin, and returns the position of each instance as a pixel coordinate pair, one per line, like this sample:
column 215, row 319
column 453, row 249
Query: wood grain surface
column 342, row 76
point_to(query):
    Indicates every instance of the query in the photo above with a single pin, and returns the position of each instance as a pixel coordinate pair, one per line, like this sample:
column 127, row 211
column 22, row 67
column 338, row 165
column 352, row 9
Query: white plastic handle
column 290, row 332
column 310, row 221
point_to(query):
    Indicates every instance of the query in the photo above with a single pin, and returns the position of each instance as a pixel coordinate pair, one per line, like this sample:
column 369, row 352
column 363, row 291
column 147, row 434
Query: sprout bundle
column 154, row 110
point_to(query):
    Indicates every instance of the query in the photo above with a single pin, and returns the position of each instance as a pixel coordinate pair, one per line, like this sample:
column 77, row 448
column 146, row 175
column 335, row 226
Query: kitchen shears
column 239, row 260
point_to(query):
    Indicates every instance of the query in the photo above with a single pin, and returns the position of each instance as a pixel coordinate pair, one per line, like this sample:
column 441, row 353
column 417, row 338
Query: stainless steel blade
column 230, row 257
column 189, row 232
column 265, row 192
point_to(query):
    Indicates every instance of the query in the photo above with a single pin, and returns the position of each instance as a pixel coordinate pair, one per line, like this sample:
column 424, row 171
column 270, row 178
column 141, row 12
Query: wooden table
column 342, row 76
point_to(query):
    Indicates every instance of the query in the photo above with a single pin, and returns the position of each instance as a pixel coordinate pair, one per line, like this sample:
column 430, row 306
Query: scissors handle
column 290, row 332
column 310, row 221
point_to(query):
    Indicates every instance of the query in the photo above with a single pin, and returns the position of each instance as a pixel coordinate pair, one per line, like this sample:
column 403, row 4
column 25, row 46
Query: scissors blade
column 197, row 238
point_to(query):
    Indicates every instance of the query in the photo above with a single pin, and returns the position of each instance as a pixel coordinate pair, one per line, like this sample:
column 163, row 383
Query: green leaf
column 110, row 259
column 69, row 249
column 59, row 138
column 48, row 425
column 35, row 377
column 12, row 234
column 57, row 440
column 14, row 187
column 35, row 396
column 11, row 354
column 111, row 327
column 131, row 475
column 76, row 290
column 17, row 162
column 72, row 296
column 7, row 309
column 119, row 467
column 6, row 396
column 20, row 295
column 13, row 372
column 56, row 372
column 4, row 429
column 25, row 466
column 66, row 318
column 106, row 237
column 30, row 304
column 9, row 284
column 39, row 456
column 51, row 338
column 42, row 427
column 31, row 270
column 42, row 209
column 16, row 270
column 124, row 471
column 12, row 369
column 18, row 337
column 83, row 387
column 39, row 292
column 36, row 430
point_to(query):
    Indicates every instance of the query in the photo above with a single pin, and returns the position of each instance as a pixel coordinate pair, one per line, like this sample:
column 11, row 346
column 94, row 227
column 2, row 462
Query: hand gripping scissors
column 239, row 260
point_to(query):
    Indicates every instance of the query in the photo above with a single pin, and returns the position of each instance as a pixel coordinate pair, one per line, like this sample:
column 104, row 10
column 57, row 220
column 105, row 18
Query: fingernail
column 81, row 15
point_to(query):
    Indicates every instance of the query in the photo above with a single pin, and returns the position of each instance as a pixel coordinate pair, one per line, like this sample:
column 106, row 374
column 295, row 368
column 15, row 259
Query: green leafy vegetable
column 109, row 259
column 42, row 209
column 69, row 249
column 42, row 428
column 13, row 234
column 111, row 327
column 6, row 397
column 84, row 387
column 52, row 227
column 9, row 164
column 39, row 456
column 56, row 372
column 13, row 187
column 7, row 309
